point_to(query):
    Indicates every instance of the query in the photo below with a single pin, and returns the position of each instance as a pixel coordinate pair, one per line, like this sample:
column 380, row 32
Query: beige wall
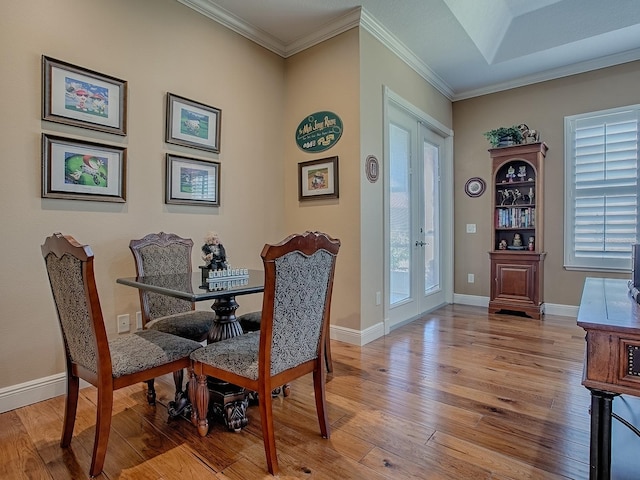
column 158, row 46
column 543, row 107
column 381, row 68
column 325, row 78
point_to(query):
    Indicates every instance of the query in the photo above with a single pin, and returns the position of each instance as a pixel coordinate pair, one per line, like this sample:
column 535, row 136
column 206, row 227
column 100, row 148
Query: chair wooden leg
column 70, row 409
column 327, row 353
column 192, row 385
column 151, row 392
column 178, row 377
column 202, row 403
column 321, row 404
column 103, row 426
column 268, row 436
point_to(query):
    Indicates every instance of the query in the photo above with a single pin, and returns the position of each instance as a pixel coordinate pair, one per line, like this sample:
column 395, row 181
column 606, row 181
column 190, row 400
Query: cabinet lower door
column 517, row 283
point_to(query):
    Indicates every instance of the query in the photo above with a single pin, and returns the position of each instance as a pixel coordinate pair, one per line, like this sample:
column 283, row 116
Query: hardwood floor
column 458, row 394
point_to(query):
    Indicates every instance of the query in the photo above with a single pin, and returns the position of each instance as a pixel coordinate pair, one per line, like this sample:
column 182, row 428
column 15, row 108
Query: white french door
column 417, row 244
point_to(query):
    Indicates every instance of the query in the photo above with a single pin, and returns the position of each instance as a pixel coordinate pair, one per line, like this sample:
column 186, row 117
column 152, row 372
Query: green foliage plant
column 502, row 134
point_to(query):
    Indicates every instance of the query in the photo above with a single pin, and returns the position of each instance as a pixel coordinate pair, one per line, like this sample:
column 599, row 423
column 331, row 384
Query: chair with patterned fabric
column 165, row 254
column 294, row 321
column 106, row 364
column 250, row 322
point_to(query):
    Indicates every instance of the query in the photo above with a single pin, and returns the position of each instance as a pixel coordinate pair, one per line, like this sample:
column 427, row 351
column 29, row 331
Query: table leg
column 227, row 401
column 226, row 324
column 600, row 450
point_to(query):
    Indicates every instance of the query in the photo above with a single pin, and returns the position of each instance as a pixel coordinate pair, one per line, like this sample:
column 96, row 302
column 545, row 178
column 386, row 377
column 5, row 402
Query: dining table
column 228, row 401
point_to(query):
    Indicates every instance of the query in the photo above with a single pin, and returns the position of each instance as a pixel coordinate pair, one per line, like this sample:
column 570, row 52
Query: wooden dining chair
column 294, row 321
column 106, row 364
column 163, row 254
column 250, row 322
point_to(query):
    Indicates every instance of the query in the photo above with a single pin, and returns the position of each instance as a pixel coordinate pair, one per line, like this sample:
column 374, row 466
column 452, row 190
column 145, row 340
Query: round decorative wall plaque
column 475, row 187
column 372, row 169
column 318, row 132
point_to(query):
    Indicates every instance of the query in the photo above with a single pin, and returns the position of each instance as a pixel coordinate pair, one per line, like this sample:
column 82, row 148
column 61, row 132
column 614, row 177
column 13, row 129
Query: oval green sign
column 319, row 132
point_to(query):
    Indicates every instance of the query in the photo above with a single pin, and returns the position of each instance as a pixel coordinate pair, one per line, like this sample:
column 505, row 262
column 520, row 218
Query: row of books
column 514, row 217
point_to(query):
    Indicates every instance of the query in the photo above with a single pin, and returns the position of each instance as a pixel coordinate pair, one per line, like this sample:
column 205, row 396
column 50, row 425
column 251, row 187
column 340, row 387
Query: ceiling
column 465, row 48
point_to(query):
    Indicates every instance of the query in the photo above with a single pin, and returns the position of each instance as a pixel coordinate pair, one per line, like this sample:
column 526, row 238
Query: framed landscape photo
column 193, row 124
column 192, row 182
column 318, row 179
column 76, row 96
column 78, row 170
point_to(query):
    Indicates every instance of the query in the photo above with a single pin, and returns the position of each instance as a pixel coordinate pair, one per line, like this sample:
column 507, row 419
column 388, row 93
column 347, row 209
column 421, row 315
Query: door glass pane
column 431, row 218
column 400, row 215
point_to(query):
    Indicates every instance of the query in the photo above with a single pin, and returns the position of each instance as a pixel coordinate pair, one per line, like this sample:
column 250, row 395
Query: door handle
column 420, row 244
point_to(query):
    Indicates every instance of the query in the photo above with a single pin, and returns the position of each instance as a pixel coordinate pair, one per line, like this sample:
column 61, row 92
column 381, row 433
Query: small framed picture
column 318, row 179
column 76, row 96
column 193, row 124
column 192, row 182
column 79, row 170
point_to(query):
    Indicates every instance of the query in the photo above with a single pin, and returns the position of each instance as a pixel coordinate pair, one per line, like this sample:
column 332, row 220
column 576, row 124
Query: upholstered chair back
column 301, row 284
column 80, row 321
column 162, row 254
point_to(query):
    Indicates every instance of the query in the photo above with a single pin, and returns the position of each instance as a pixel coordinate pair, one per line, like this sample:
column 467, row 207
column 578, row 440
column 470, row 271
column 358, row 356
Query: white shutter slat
column 603, row 184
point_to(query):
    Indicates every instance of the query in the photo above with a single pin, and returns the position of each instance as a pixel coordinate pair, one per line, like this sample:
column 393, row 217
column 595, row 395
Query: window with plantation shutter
column 601, row 189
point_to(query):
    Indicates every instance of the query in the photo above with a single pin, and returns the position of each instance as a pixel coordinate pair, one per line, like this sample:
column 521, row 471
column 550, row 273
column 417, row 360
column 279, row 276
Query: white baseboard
column 356, row 337
column 34, row 391
column 473, row 300
column 549, row 308
column 41, row 389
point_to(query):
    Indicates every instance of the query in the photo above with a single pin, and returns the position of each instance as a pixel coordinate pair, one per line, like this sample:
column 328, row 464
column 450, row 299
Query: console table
column 611, row 319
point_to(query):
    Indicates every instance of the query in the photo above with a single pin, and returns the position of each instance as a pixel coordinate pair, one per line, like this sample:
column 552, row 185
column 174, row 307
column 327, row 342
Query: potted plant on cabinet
column 504, row 136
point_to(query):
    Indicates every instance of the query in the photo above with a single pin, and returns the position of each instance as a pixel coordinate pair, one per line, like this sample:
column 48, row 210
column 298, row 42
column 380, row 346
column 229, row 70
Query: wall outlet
column 124, row 323
column 378, row 298
column 471, row 278
column 138, row 320
column 471, row 228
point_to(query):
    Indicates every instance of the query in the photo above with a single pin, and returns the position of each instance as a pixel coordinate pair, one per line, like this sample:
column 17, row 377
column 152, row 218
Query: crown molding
column 232, row 22
column 564, row 71
column 337, row 26
column 354, row 18
column 371, row 25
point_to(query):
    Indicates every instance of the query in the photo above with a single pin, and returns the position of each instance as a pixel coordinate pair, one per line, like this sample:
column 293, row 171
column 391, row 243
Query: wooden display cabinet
column 517, row 272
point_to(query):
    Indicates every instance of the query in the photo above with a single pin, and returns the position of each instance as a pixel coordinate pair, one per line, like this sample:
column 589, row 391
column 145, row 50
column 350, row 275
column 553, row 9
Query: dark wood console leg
column 600, row 450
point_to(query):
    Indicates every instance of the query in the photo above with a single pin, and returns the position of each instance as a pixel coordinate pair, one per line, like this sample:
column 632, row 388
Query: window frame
column 586, row 263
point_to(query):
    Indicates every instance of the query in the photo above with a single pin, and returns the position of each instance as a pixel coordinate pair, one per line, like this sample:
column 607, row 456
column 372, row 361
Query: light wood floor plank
column 458, row 394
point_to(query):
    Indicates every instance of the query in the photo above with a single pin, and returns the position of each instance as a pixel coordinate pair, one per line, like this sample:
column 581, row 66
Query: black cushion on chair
column 250, row 322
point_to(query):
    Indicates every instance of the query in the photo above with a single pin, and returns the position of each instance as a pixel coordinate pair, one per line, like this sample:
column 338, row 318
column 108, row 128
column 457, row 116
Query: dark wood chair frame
column 161, row 239
column 103, row 379
column 307, row 243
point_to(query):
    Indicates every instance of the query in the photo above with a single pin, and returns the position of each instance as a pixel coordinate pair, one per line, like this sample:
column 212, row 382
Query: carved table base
column 228, row 403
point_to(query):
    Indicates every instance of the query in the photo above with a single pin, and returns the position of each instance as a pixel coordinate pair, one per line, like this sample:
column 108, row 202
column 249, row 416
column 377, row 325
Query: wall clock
column 475, row 187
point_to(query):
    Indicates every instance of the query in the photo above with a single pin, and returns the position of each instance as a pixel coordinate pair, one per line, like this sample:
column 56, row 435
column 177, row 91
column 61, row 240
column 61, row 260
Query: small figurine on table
column 511, row 173
column 502, row 245
column 532, row 245
column 213, row 252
